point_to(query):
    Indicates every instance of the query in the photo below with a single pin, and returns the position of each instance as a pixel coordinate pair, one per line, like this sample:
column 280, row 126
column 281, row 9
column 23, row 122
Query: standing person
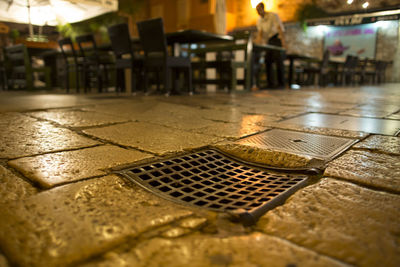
column 270, row 31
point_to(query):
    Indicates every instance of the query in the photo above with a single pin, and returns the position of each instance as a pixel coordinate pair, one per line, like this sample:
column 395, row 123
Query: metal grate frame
column 314, row 145
column 209, row 179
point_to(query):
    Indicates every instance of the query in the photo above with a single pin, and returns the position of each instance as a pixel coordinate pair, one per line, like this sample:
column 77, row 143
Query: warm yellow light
column 269, row 4
column 254, row 3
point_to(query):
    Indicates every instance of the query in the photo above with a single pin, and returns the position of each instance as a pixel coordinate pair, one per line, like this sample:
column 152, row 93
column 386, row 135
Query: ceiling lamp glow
column 365, row 5
column 349, row 2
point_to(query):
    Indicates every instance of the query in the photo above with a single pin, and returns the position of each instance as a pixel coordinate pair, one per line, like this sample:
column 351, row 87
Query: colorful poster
column 359, row 40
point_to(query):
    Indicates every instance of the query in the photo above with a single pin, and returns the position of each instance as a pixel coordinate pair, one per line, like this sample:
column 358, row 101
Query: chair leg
column 133, row 81
column 188, row 78
column 167, row 80
column 67, row 79
column 77, row 80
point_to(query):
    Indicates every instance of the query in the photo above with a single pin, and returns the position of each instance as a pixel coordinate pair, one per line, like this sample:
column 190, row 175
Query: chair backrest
column 18, row 59
column 87, row 45
column 120, row 40
column 68, row 50
column 152, row 36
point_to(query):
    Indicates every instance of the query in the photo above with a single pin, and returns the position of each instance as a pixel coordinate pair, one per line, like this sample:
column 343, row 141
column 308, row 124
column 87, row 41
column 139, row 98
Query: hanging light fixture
column 365, row 5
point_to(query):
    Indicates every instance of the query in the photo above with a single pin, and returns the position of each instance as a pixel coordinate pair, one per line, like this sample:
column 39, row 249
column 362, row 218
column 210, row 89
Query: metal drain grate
column 314, row 145
column 211, row 180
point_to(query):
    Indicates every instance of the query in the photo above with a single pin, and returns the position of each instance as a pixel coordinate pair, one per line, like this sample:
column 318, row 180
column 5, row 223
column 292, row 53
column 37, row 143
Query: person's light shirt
column 269, row 26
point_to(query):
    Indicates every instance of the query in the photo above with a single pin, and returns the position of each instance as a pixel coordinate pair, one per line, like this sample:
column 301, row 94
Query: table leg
column 290, row 74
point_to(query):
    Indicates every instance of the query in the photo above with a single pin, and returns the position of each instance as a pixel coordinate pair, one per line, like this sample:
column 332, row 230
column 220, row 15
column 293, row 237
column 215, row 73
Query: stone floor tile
column 58, row 168
column 14, row 188
column 381, row 143
column 395, row 116
column 235, row 116
column 202, row 250
column 317, row 130
column 273, row 110
column 389, row 108
column 183, row 121
column 151, row 137
column 25, row 101
column 342, row 220
column 77, row 221
column 24, row 136
column 366, row 113
column 368, row 168
column 146, row 109
column 230, row 130
column 3, row 261
column 77, row 118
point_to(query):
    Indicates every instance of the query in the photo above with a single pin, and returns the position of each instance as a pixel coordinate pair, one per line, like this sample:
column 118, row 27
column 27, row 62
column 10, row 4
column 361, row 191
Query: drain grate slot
column 211, row 180
column 314, row 145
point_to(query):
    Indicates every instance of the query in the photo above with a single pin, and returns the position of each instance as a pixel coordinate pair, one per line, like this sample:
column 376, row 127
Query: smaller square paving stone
column 68, row 224
column 24, row 136
column 341, row 220
column 369, row 168
column 204, row 250
column 13, row 188
column 381, row 143
column 151, row 137
column 77, row 118
column 58, row 168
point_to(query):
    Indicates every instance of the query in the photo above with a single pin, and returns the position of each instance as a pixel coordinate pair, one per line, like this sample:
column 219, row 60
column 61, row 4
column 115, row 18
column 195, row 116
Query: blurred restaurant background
column 367, row 28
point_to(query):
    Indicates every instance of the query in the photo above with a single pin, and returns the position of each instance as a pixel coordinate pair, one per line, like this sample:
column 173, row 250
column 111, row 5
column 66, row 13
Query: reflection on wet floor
column 369, row 125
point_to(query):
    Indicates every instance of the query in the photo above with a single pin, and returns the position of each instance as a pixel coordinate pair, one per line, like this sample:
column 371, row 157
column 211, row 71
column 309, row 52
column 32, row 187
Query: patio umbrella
column 53, row 12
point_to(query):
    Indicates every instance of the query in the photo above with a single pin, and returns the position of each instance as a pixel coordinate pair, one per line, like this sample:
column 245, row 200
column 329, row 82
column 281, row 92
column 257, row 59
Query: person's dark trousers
column 255, row 68
column 277, row 58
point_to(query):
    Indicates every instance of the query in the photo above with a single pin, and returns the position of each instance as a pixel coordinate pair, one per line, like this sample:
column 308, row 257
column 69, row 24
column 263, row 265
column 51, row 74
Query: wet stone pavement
column 63, row 204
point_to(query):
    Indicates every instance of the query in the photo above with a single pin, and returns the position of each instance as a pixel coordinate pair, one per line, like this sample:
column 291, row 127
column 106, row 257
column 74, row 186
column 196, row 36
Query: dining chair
column 21, row 73
column 156, row 58
column 347, row 72
column 125, row 56
column 321, row 71
column 71, row 62
column 95, row 63
column 3, row 75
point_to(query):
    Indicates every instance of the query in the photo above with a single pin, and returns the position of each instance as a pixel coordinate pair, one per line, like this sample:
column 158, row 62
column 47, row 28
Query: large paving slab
column 24, row 136
column 53, row 169
column 14, row 188
column 385, row 144
column 373, row 113
column 273, row 110
column 231, row 130
column 368, row 168
column 235, row 116
column 151, row 137
column 77, row 118
column 204, row 250
column 77, row 221
column 342, row 220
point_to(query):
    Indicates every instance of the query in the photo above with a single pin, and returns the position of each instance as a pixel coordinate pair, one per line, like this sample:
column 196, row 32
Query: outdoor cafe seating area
column 185, row 61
